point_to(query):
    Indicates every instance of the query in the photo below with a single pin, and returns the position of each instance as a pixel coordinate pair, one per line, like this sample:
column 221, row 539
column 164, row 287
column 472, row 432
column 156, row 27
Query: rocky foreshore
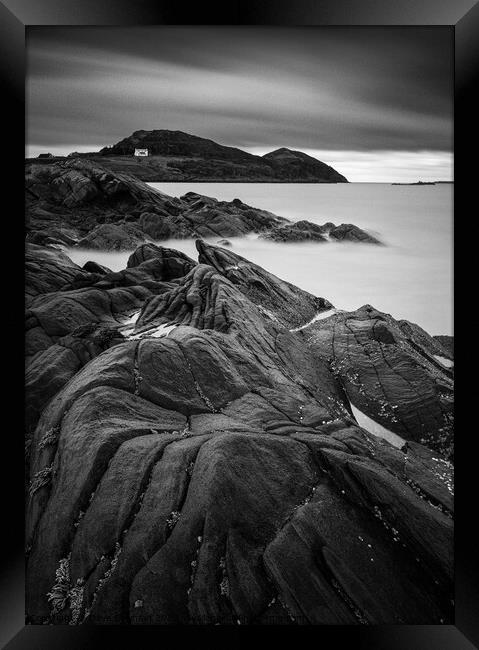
column 210, row 444
column 78, row 203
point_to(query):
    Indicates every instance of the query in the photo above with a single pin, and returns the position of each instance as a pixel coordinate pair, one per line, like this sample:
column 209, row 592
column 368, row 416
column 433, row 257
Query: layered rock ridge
column 198, row 458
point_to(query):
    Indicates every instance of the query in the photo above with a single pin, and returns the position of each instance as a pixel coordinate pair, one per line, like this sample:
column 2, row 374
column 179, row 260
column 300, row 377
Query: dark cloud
column 351, row 89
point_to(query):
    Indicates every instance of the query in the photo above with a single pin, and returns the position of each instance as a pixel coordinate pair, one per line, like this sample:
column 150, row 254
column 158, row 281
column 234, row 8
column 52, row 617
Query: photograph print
column 239, row 326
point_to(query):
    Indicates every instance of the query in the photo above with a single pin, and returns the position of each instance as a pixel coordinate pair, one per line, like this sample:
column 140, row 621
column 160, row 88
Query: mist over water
column 410, row 277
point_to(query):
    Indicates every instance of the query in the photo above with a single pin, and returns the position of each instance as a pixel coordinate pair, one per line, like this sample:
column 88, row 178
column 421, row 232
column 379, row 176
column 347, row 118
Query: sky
column 375, row 103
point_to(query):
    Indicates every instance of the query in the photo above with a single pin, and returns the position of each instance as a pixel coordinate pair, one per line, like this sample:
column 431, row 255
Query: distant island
column 425, row 183
column 166, row 156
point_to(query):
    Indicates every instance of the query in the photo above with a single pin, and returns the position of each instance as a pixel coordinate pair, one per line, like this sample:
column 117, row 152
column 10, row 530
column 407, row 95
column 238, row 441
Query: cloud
column 333, row 89
column 384, row 166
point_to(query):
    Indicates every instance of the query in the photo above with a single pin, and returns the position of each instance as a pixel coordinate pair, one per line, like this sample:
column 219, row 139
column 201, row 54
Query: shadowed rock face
column 308, row 231
column 82, row 195
column 75, row 202
column 350, row 232
column 388, row 371
column 113, row 237
column 204, row 465
column 447, row 345
column 435, row 345
column 173, row 264
column 73, row 314
column 118, row 212
column 278, row 300
column 46, row 270
column 299, row 231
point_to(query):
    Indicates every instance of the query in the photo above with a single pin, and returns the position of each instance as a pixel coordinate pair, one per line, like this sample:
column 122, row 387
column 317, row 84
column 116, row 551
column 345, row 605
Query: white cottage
column 141, row 152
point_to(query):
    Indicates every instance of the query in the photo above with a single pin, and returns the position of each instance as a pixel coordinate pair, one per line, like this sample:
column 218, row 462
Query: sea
column 410, row 277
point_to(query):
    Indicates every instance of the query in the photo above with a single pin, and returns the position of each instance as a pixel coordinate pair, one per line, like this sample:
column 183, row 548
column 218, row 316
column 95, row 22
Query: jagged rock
column 308, row 231
column 155, row 225
column 50, row 370
column 389, row 372
column 291, row 305
column 314, row 227
column 118, row 212
column 174, row 264
column 83, row 195
column 209, row 469
column 447, row 343
column 47, row 270
column 94, row 267
column 209, row 217
column 416, row 335
column 59, row 313
column 64, row 331
column 56, row 236
column 299, row 231
column 351, row 233
column 113, row 237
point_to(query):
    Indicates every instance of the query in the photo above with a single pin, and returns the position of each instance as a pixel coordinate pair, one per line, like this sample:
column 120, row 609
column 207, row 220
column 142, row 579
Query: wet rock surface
column 76, row 202
column 195, row 457
column 447, row 345
column 308, row 231
column 47, row 269
column 351, row 233
column 389, row 371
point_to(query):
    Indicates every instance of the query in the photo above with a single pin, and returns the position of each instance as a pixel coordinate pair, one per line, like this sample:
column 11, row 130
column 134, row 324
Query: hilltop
column 179, row 156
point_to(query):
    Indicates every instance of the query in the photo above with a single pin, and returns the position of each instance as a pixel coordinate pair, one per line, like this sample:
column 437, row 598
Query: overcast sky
column 376, row 103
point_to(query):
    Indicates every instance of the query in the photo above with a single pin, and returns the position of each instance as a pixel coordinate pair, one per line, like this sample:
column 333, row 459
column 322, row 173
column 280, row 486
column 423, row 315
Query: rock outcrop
column 350, row 232
column 435, row 345
column 80, row 195
column 113, row 237
column 299, row 231
column 390, row 373
column 447, row 345
column 197, row 458
column 119, row 212
column 277, row 299
column 47, row 269
column 73, row 314
column 308, row 231
column 77, row 203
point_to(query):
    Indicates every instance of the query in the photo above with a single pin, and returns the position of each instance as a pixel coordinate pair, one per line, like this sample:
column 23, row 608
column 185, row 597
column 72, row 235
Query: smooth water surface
column 410, row 277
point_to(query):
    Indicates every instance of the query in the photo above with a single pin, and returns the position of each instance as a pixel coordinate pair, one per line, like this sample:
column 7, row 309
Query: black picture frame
column 463, row 17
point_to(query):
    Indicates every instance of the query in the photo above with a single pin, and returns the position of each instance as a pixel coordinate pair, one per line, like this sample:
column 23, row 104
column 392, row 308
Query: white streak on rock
column 376, row 429
column 131, row 320
column 445, row 362
column 320, row 316
column 128, row 325
column 155, row 332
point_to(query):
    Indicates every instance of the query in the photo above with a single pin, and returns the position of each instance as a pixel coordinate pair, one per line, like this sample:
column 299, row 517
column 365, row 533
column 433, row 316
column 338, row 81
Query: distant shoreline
column 426, row 183
column 98, row 160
